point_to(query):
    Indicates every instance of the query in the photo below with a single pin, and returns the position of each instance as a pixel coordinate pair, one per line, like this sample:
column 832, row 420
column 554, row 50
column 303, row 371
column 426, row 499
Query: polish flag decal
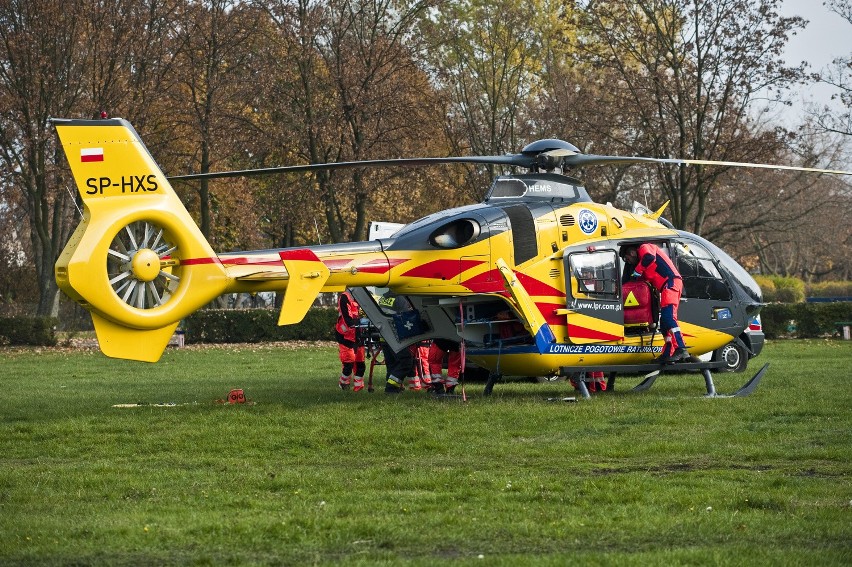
column 91, row 154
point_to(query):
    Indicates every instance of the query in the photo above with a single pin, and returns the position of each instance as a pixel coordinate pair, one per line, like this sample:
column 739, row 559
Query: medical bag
column 638, row 301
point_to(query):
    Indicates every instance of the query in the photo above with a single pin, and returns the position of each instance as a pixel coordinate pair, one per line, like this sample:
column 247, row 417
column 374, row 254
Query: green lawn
column 307, row 474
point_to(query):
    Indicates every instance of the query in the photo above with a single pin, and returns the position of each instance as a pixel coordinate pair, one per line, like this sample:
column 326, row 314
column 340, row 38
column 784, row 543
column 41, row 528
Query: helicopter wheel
column 140, row 265
column 734, row 356
column 546, row 379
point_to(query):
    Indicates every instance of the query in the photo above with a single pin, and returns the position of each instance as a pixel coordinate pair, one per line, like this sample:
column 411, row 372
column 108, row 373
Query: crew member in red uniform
column 437, row 351
column 351, row 353
column 653, row 265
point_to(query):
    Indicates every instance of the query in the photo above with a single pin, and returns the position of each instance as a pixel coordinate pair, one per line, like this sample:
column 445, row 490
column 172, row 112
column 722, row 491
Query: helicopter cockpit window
column 508, row 188
column 455, row 234
column 594, row 275
column 539, row 187
column 701, row 277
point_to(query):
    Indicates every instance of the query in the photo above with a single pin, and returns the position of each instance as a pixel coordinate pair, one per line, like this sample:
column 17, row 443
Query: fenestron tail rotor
column 140, row 265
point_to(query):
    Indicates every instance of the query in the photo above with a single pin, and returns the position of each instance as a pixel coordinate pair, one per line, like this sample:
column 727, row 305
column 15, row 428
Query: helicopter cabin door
column 403, row 320
column 594, row 310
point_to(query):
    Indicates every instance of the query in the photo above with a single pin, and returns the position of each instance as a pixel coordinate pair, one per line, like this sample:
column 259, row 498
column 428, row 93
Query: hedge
column 780, row 320
column 38, row 331
column 830, row 289
column 797, row 320
column 793, row 290
column 257, row 325
column 804, row 320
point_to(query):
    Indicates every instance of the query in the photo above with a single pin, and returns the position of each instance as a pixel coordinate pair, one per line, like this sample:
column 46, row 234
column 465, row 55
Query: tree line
column 233, row 84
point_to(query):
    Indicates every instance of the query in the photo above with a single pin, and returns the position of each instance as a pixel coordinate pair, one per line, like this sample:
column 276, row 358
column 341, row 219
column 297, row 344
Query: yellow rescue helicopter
column 530, row 281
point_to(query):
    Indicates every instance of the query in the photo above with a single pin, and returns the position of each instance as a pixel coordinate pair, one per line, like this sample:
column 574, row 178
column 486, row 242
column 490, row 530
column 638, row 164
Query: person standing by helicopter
column 351, row 353
column 653, row 265
column 437, row 351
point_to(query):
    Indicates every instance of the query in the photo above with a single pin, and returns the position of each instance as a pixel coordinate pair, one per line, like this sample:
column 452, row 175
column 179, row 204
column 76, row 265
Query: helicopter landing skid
column 653, row 371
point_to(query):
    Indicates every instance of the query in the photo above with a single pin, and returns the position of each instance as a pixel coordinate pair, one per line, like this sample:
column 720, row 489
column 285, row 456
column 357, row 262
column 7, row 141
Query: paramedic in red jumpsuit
column 653, row 265
column 351, row 353
column 437, row 351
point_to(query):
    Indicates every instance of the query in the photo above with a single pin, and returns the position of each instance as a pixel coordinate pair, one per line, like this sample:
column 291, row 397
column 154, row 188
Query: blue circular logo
column 588, row 221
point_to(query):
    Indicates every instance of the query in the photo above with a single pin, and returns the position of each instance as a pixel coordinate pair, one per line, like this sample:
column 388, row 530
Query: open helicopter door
column 594, row 309
column 530, row 316
column 403, row 320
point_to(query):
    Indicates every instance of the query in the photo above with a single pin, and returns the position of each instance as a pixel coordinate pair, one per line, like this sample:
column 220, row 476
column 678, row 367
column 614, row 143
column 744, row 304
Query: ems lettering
column 127, row 184
column 540, row 188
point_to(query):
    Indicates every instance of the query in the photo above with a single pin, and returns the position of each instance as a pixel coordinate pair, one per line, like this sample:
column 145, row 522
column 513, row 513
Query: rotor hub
column 541, row 146
column 145, row 265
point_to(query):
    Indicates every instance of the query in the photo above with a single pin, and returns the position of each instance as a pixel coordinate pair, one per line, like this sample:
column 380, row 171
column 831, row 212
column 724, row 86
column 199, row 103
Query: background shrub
column 804, row 320
column 767, row 286
column 37, row 331
column 788, row 290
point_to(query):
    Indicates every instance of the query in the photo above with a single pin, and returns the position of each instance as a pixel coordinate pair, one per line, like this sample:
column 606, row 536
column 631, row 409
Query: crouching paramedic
column 351, row 353
column 653, row 265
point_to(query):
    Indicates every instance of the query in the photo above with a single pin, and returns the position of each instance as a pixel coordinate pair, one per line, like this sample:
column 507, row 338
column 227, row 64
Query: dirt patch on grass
column 670, row 468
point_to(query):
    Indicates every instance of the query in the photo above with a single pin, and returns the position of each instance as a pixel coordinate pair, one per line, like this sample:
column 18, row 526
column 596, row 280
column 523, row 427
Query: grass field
column 307, row 474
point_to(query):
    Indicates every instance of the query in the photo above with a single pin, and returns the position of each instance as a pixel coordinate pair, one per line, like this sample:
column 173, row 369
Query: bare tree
column 837, row 118
column 42, row 70
column 690, row 73
column 213, row 108
column 787, row 223
column 356, row 92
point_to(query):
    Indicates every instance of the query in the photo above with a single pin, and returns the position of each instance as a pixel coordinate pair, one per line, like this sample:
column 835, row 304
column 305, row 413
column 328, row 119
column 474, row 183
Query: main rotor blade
column 511, row 160
column 760, row 165
column 581, row 160
column 569, row 159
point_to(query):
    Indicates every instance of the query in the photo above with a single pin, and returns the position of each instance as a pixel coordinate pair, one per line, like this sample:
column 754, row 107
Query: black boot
column 678, row 355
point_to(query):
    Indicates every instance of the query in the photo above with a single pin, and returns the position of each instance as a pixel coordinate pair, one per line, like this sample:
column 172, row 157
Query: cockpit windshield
column 736, row 271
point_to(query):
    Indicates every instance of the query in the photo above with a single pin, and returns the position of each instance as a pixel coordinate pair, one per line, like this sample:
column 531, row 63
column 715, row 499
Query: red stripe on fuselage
column 380, row 266
column 441, row 269
column 375, row 266
column 486, row 282
column 548, row 311
column 536, row 287
column 199, row 261
column 577, row 332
